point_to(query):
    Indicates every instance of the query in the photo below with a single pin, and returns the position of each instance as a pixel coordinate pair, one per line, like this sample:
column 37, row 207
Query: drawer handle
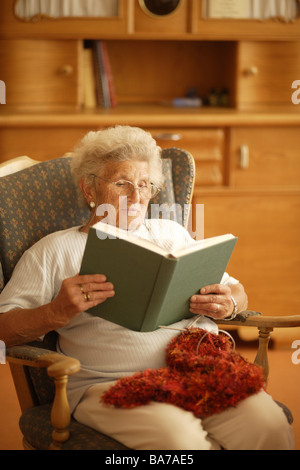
column 168, row 136
column 66, row 70
column 244, row 157
column 251, row 71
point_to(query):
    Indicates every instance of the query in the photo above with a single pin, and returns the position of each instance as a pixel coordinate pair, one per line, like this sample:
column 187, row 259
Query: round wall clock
column 159, row 7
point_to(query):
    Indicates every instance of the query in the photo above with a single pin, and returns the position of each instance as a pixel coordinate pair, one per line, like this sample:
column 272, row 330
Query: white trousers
column 257, row 423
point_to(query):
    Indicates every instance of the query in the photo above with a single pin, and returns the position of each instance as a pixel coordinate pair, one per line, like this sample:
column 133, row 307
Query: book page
column 202, row 244
column 109, row 231
column 105, row 230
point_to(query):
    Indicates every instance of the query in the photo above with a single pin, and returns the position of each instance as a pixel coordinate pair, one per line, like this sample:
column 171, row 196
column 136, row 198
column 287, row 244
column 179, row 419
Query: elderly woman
column 47, row 293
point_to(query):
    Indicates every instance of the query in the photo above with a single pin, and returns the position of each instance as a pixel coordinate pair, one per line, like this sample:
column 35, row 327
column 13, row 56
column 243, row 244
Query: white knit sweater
column 106, row 351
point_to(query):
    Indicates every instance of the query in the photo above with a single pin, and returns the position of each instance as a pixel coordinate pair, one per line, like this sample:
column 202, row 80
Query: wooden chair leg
column 60, row 414
column 262, row 353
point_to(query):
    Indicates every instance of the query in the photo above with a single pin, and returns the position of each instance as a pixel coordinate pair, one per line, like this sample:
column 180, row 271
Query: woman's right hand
column 78, row 294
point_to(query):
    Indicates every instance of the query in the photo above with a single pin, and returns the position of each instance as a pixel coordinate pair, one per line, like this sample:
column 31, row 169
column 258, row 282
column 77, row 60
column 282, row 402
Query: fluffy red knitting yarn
column 204, row 375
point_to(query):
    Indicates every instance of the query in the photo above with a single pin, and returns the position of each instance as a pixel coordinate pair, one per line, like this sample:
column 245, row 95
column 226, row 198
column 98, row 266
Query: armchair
column 33, row 203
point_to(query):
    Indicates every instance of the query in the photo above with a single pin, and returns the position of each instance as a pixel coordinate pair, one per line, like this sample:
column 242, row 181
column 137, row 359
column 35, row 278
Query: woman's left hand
column 213, row 301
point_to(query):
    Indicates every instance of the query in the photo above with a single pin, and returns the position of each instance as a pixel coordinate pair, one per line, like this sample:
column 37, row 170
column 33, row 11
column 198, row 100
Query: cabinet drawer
column 41, row 73
column 40, row 143
column 265, row 157
column 206, row 146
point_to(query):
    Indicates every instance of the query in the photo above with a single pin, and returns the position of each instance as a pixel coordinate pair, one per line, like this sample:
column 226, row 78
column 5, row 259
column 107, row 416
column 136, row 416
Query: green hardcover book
column 152, row 287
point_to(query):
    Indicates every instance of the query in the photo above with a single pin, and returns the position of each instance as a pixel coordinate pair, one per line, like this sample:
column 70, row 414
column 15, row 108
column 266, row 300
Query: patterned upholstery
column 36, row 426
column 33, row 203
column 40, row 200
column 179, row 178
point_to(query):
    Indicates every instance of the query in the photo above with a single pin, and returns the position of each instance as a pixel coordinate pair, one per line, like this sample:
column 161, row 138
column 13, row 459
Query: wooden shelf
column 151, row 115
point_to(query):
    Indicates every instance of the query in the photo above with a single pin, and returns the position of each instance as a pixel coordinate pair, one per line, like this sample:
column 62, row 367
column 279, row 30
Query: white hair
column 116, row 144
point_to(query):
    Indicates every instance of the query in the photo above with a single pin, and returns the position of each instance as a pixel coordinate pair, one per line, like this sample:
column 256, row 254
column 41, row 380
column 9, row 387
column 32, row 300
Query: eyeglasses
column 126, row 188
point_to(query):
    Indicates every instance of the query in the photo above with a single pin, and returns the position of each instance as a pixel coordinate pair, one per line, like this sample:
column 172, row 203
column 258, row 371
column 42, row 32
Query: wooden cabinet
column 187, row 21
column 261, row 205
column 267, row 256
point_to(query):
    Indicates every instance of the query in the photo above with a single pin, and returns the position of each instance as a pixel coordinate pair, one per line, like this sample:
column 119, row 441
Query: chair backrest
column 43, row 198
column 33, row 203
column 16, row 164
column 179, row 172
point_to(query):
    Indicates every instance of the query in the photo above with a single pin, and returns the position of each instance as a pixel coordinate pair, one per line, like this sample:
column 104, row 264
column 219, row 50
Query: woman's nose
column 135, row 195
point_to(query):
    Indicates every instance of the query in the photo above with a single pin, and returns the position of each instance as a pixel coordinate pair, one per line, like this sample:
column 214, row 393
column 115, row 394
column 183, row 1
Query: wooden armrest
column 59, row 367
column 260, row 321
column 265, row 325
column 57, row 364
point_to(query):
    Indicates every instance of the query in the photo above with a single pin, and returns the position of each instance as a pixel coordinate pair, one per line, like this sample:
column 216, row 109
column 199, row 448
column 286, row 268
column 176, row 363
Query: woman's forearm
column 240, row 296
column 24, row 325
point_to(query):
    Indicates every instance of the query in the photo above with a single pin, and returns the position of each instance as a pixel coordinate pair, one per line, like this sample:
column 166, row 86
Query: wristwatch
column 235, row 310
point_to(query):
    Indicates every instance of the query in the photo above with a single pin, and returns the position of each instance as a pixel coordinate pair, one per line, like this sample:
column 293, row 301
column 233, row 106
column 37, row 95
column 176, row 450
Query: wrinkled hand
column 213, row 301
column 79, row 293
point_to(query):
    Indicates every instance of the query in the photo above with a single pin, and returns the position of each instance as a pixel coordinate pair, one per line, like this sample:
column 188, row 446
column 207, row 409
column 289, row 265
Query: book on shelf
column 105, row 90
column 152, row 286
column 98, row 83
column 89, row 82
column 108, row 73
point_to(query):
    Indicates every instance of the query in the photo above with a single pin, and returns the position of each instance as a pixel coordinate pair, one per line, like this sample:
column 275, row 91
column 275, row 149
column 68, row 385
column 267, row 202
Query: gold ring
column 86, row 297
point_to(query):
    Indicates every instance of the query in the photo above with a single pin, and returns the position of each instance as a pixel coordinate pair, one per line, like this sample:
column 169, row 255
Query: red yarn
column 205, row 383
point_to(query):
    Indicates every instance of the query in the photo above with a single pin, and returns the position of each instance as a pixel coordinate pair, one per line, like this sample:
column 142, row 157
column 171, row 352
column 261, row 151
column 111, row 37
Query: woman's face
column 126, row 212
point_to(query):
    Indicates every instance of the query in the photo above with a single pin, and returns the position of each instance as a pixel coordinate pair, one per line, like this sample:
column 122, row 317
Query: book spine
column 101, row 75
column 89, row 84
column 97, row 72
column 108, row 73
column 163, row 281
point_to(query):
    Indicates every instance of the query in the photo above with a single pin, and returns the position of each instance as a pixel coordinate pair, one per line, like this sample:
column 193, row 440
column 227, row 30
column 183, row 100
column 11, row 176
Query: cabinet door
column 41, row 73
column 205, row 145
column 266, row 71
column 265, row 156
column 266, row 258
column 67, row 27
